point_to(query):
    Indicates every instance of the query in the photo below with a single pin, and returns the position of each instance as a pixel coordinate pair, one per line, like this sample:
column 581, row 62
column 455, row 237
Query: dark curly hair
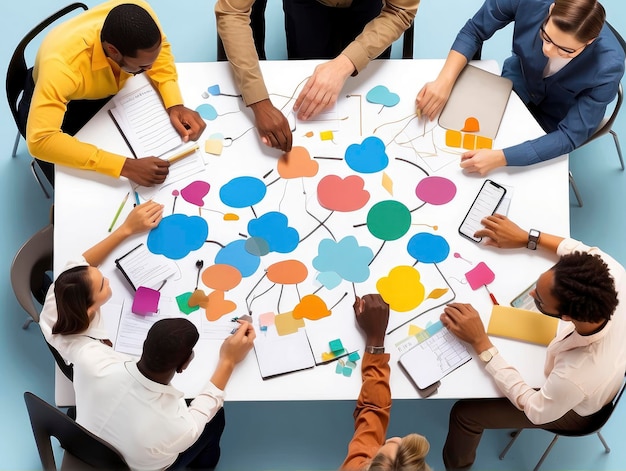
column 584, row 287
column 130, row 28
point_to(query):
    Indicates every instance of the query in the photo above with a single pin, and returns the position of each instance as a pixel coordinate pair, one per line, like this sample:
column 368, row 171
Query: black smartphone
column 485, row 204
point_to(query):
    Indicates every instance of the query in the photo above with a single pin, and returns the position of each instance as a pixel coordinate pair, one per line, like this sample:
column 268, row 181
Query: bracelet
column 374, row 350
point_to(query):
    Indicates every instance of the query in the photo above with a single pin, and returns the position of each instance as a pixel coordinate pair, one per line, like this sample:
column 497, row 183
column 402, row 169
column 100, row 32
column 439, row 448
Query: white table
column 86, row 202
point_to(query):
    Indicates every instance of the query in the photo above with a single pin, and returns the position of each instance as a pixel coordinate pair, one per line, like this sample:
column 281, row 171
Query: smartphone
column 485, row 204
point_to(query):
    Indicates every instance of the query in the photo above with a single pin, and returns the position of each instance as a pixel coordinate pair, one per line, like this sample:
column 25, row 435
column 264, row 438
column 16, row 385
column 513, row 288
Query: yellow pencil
column 119, row 210
column 183, row 154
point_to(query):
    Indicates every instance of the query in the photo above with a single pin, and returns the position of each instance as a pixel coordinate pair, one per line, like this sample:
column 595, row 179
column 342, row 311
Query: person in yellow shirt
column 82, row 63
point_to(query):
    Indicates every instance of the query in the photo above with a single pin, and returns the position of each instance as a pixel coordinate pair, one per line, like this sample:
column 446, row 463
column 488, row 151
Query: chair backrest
column 18, row 70
column 48, row 421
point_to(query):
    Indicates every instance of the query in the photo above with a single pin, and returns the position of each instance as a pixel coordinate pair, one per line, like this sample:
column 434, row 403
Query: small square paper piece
column 146, row 301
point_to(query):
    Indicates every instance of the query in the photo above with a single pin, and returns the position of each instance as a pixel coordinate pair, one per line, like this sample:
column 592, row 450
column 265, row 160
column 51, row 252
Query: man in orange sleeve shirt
column 369, row 449
column 83, row 62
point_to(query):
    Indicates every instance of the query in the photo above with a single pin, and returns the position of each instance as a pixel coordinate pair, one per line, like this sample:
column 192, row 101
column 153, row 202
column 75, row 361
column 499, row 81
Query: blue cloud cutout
column 274, row 228
column 367, row 157
column 236, row 255
column 346, row 258
column 428, row 248
column 329, row 279
column 242, row 192
column 177, row 235
column 207, row 111
column 381, row 95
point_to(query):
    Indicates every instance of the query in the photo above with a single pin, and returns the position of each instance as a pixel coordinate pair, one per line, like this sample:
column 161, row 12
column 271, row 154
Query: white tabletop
column 86, row 202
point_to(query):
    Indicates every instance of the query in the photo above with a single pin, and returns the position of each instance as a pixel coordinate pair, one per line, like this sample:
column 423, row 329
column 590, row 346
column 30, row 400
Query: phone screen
column 484, row 205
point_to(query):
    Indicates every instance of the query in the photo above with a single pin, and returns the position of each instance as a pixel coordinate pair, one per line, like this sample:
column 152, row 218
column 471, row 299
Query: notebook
column 520, row 324
column 436, row 354
column 141, row 267
column 479, row 94
column 280, row 354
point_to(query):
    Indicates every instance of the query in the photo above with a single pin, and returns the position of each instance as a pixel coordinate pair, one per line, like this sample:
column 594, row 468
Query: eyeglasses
column 562, row 51
column 539, row 304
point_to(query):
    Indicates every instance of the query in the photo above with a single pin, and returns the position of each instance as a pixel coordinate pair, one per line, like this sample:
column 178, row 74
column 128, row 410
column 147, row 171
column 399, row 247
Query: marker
column 181, row 155
column 137, row 202
column 119, row 210
column 493, row 298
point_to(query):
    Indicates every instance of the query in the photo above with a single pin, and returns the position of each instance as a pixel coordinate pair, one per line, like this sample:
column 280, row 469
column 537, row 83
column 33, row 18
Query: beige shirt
column 583, row 372
column 233, row 26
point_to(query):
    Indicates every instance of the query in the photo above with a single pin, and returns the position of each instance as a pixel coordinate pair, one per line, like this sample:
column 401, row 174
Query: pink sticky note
column 146, row 301
column 266, row 319
column 480, row 275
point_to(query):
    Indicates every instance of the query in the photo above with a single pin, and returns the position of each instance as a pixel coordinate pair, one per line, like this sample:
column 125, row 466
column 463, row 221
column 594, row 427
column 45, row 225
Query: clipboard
column 141, row 267
column 480, row 94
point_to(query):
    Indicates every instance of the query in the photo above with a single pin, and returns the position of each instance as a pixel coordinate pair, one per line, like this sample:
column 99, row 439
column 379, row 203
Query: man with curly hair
column 585, row 363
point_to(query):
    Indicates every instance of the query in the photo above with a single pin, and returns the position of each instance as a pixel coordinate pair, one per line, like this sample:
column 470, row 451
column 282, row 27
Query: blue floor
column 293, row 435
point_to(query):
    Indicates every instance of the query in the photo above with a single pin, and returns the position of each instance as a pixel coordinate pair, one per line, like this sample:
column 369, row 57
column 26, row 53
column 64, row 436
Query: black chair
column 83, row 449
column 17, row 75
column 603, row 417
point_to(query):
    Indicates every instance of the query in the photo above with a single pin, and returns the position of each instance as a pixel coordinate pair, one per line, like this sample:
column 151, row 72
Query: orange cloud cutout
column 311, row 307
column 218, row 306
column 287, row 272
column 221, row 277
column 402, row 288
column 297, row 163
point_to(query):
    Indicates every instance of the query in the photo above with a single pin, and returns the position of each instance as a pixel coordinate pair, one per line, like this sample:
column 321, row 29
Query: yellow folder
column 520, row 324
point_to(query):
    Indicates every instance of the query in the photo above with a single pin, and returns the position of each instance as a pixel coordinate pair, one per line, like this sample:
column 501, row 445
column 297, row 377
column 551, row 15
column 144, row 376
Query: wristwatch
column 488, row 354
column 375, row 350
column 533, row 239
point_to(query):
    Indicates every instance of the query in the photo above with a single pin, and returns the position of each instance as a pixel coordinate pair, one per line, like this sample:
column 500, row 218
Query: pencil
column 493, row 298
column 183, row 154
column 119, row 210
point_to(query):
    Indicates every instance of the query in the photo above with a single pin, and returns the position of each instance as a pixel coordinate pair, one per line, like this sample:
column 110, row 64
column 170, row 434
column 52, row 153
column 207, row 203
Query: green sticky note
column 335, row 345
column 351, row 364
column 354, row 356
column 183, row 303
column 339, row 369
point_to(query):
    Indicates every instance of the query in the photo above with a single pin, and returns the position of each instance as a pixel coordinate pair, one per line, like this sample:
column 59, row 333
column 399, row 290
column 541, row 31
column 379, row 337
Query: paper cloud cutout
column 287, row 272
column 297, row 164
column 311, row 307
column 435, row 190
column 221, row 277
column 388, row 220
column 177, row 235
column 367, row 157
column 217, row 306
column 195, row 192
column 257, row 246
column 242, row 192
column 236, row 255
column 207, row 111
column 345, row 258
column 382, row 96
column 329, row 279
column 428, row 248
column 402, row 288
column 342, row 194
column 274, row 228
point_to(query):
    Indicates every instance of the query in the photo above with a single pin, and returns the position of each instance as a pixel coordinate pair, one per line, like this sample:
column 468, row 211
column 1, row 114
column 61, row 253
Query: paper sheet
column 282, row 354
column 132, row 331
column 143, row 268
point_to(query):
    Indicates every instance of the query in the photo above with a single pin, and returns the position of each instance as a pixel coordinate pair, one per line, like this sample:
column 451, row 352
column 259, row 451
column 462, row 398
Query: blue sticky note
column 354, row 356
column 339, row 369
column 214, row 90
column 335, row 345
column 347, row 372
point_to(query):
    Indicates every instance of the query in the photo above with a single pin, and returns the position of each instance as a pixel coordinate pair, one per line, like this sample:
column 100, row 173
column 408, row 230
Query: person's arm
column 504, row 233
column 323, row 88
column 142, row 218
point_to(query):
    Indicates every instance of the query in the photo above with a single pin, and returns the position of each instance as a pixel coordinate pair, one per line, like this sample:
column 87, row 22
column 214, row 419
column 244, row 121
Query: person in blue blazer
column 566, row 67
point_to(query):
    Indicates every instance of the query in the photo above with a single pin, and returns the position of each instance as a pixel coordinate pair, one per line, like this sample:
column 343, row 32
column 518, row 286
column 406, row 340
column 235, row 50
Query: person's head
column 571, row 26
column 131, row 37
column 579, row 287
column 79, row 293
column 169, row 346
column 402, row 454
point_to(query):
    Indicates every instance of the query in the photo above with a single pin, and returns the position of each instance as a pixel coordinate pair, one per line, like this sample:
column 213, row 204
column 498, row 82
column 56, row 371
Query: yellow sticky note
column 326, row 136
column 286, row 324
column 231, row 217
column 414, row 330
column 453, row 138
column 213, row 146
column 387, row 183
column 483, row 142
column 469, row 142
column 327, row 356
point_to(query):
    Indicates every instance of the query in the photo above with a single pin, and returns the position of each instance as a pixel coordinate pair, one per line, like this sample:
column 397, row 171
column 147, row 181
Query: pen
column 119, row 210
column 183, row 154
column 137, row 202
column 493, row 298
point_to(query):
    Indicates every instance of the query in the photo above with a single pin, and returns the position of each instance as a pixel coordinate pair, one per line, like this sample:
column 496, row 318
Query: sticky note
column 469, row 141
column 414, row 330
column 354, row 356
column 286, row 324
column 453, row 138
column 214, row 90
column 339, row 368
column 146, row 301
column 327, row 356
column 266, row 319
column 471, row 125
column 335, row 345
column 483, row 142
column 479, row 276
column 387, row 183
column 183, row 303
column 351, row 364
column 214, row 146
column 231, row 217
column 347, row 371
column 326, row 136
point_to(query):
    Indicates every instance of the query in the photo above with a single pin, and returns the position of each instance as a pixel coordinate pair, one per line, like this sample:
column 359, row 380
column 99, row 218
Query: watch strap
column 374, row 350
column 533, row 239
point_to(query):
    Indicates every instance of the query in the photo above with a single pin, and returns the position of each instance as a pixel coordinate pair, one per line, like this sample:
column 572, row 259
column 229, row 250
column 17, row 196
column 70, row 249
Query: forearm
column 222, row 373
column 99, row 252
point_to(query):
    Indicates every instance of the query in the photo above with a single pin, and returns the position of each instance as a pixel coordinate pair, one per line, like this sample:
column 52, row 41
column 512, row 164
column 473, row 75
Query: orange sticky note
column 471, row 125
column 453, row 138
column 286, row 324
column 387, row 183
column 483, row 142
column 469, row 141
column 231, row 217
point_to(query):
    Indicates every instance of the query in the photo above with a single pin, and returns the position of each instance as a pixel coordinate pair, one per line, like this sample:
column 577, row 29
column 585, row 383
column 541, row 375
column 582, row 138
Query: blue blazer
column 570, row 104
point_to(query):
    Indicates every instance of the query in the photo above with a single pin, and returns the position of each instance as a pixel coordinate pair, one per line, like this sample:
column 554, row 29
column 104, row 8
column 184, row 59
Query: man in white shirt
column 132, row 405
column 585, row 363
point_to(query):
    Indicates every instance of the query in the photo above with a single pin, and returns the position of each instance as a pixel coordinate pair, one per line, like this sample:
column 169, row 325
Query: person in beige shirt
column 348, row 33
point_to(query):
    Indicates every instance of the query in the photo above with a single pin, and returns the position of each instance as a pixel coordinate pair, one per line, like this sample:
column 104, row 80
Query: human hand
column 432, row 98
column 146, row 171
column 372, row 315
column 144, row 217
column 272, row 125
column 465, row 323
column 323, row 87
column 236, row 346
column 482, row 161
column 502, row 232
column 188, row 123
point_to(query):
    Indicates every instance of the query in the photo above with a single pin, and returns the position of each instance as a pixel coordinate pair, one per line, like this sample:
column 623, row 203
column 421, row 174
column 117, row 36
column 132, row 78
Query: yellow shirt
column 71, row 65
column 233, row 26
